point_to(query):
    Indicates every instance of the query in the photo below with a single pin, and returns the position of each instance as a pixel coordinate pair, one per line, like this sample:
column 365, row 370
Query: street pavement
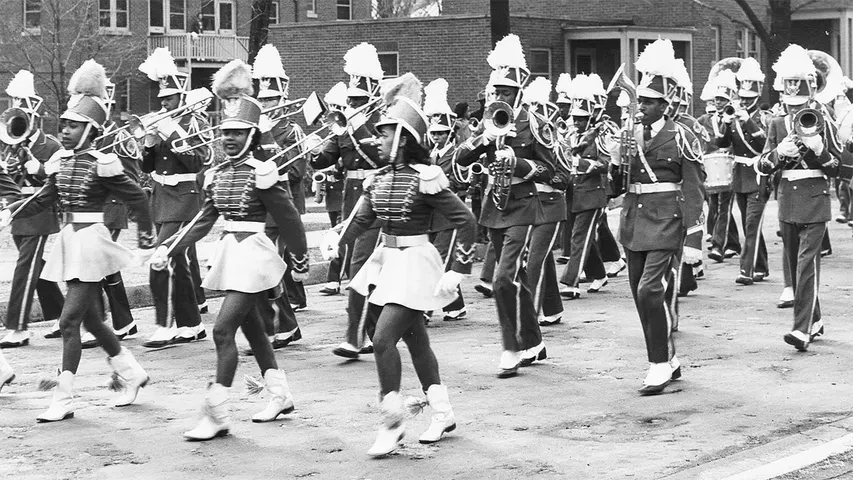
column 747, row 404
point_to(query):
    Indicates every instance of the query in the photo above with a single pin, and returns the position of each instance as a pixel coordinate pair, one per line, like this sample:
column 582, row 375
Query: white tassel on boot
column 216, row 418
column 60, row 408
column 281, row 402
column 442, row 414
column 393, row 425
column 6, row 372
column 128, row 377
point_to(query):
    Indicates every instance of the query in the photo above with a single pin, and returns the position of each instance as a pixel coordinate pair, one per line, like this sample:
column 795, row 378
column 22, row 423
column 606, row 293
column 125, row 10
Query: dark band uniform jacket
column 42, row 147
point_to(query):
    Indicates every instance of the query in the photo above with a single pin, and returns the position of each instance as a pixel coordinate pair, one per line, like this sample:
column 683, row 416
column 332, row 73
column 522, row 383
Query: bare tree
column 259, row 29
column 406, row 8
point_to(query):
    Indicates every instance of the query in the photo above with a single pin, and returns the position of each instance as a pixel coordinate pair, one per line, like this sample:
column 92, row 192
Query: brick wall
column 326, row 11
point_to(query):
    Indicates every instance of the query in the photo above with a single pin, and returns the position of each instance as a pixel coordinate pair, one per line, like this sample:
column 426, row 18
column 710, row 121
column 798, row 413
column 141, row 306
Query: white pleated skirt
column 88, row 255
column 250, row 266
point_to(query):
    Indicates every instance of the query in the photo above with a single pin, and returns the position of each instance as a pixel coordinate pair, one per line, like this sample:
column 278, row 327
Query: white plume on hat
column 337, row 95
column 160, row 64
column 539, row 92
column 564, row 84
column 794, row 62
column 583, row 88
column 507, row 53
column 22, row 85
column 89, row 80
column 435, row 97
column 268, row 63
column 726, row 79
column 750, row 70
column 233, row 80
column 407, row 86
column 596, row 84
column 362, row 60
column 681, row 76
column 709, row 91
column 658, row 58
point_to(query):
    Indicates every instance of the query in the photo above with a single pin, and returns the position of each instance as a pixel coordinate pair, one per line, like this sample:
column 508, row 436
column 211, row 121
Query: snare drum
column 718, row 167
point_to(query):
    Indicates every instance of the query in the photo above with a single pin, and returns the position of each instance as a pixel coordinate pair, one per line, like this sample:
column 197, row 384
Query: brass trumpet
column 16, row 126
column 138, row 125
column 206, row 135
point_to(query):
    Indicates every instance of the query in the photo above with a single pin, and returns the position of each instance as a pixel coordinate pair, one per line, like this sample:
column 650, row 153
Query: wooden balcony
column 202, row 48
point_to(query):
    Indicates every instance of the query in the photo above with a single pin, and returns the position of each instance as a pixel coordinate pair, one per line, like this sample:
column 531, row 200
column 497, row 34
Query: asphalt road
column 746, row 398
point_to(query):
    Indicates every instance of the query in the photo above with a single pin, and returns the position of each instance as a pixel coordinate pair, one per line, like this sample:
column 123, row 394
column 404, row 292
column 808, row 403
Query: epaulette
column 53, row 163
column 688, row 143
column 367, row 182
column 266, row 173
column 432, row 178
column 108, row 164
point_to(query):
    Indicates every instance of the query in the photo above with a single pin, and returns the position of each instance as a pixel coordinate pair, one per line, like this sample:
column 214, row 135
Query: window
column 274, row 13
column 747, row 44
column 540, row 63
column 123, row 94
column 208, row 16
column 312, row 8
column 177, row 15
column 32, row 14
column 715, row 43
column 156, row 14
column 389, row 62
column 344, row 8
column 112, row 14
column 226, row 16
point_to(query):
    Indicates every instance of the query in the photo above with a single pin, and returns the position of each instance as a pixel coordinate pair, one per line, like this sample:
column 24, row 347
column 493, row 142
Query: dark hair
column 413, row 151
column 255, row 141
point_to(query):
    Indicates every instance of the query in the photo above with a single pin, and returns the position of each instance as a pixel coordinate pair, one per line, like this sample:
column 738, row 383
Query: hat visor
column 76, row 117
column 747, row 93
column 168, row 92
column 234, row 124
column 563, row 98
column 505, row 82
column 794, row 99
column 357, row 92
column 438, row 128
column 385, row 122
column 579, row 112
column 649, row 93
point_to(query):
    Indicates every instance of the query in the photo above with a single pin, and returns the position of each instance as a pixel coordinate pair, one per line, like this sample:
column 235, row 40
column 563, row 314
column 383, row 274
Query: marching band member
column 277, row 133
column 124, row 146
column 246, row 263
column 751, row 192
column 725, row 241
column 24, row 161
column 565, row 130
column 357, row 155
column 804, row 161
column 336, row 100
column 81, row 179
column 513, row 212
column 444, row 234
column 664, row 198
column 405, row 275
column 175, row 200
column 590, row 157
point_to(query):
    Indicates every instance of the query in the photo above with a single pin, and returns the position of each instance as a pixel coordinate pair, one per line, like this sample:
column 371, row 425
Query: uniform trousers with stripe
column 113, row 287
column 179, row 280
column 336, row 266
column 361, row 316
column 445, row 242
column 542, row 271
column 724, row 231
column 802, row 244
column 276, row 313
column 651, row 275
column 584, row 250
column 195, row 271
column 513, row 297
column 608, row 247
column 754, row 255
column 487, row 273
column 26, row 282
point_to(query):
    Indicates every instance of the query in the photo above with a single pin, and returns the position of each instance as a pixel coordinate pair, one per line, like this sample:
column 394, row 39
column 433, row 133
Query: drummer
column 718, row 159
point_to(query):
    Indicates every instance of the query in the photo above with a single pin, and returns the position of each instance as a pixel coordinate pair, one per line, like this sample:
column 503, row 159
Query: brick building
column 558, row 36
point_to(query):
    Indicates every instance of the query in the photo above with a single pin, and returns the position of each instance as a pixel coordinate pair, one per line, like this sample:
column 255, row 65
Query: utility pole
column 499, row 15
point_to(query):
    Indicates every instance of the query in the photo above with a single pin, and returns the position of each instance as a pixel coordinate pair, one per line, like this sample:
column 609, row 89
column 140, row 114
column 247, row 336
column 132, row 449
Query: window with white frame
column 156, row 16
column 123, row 100
column 715, row 42
column 312, row 8
column 32, row 14
column 344, row 9
column 177, row 15
column 390, row 63
column 112, row 14
column 226, row 16
column 274, row 13
column 747, row 44
column 540, row 63
column 208, row 16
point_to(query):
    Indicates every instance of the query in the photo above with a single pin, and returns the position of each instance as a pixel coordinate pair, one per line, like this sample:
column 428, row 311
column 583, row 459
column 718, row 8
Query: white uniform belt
column 360, row 174
column 402, row 241
column 542, row 188
column 83, row 217
column 793, row 175
column 174, row 179
column 641, row 188
column 745, row 160
column 241, row 226
column 26, row 190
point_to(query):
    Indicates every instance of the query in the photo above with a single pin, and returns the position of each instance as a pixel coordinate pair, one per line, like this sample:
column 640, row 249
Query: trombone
column 290, row 103
column 207, row 136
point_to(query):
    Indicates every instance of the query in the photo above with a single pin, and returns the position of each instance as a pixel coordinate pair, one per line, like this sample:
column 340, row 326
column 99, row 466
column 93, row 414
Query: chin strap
column 83, row 137
column 245, row 146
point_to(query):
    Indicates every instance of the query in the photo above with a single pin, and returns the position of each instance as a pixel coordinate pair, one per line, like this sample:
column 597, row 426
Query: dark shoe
column 484, row 289
column 785, row 304
column 826, row 253
column 366, row 350
column 133, row 331
column 561, row 260
column 841, row 219
column 759, row 276
column 528, row 361
column 331, row 288
column 682, row 292
column 187, row 339
column 596, row 285
column 744, row 280
column 346, row 350
column 283, row 342
column 22, row 343
column 585, row 279
column 648, row 390
column 202, row 309
column 90, row 342
column 818, row 333
column 676, row 374
column 716, row 255
column 731, row 253
column 301, row 306
column 452, row 315
column 54, row 332
column 798, row 343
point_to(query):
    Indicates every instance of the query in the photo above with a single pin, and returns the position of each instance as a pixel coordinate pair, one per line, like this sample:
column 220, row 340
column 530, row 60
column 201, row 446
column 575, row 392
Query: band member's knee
column 502, row 284
column 648, row 291
column 222, row 334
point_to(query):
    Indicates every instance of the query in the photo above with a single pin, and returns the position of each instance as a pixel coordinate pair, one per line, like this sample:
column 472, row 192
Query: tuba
column 830, row 78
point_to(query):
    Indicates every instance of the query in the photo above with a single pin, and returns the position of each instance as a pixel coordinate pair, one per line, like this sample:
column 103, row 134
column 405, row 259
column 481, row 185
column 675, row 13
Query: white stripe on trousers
column 538, row 293
column 29, row 292
column 593, row 226
column 517, row 283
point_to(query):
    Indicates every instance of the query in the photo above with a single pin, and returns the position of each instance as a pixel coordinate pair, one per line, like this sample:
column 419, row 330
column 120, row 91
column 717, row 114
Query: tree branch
column 804, row 5
column 760, row 29
column 724, row 13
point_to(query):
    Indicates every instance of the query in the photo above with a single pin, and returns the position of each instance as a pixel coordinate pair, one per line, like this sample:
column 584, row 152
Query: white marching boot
column 393, row 425
column 128, row 377
column 60, row 408
column 281, row 402
column 216, row 418
column 442, row 415
column 6, row 372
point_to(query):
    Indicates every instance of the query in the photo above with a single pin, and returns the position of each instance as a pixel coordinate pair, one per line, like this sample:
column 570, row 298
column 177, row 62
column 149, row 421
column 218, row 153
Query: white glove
column 788, row 148
column 5, row 218
column 298, row 277
column 160, row 260
column 814, row 142
column 314, row 144
column 151, row 138
column 727, row 119
column 448, row 283
column 32, row 166
column 742, row 115
column 329, row 245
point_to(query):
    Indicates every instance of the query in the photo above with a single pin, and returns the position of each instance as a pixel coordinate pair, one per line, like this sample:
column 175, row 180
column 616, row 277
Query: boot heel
column 450, row 428
column 47, row 420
